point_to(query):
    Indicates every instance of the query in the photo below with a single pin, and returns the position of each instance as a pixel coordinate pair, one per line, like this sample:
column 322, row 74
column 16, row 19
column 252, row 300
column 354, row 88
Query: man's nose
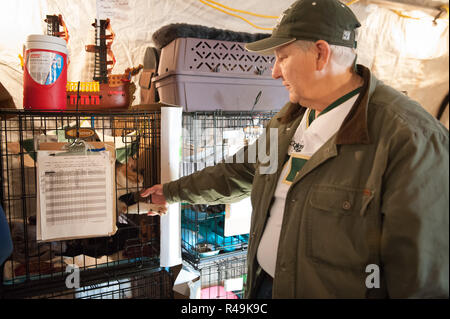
column 276, row 71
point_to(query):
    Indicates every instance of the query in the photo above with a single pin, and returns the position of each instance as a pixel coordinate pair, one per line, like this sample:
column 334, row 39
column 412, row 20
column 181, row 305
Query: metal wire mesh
column 209, row 138
column 222, row 279
column 153, row 284
column 136, row 243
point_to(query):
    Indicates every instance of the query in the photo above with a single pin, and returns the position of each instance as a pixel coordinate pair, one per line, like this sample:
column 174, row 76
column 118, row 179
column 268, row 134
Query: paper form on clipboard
column 75, row 195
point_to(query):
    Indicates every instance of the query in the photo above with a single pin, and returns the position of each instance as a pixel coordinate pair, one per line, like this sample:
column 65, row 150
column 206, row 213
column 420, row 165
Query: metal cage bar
column 222, row 278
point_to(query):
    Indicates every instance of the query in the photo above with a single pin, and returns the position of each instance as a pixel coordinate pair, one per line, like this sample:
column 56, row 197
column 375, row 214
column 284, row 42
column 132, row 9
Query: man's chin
column 293, row 99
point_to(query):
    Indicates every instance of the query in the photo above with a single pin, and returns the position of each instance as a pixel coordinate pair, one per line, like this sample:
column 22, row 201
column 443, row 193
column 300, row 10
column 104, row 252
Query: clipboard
column 75, row 191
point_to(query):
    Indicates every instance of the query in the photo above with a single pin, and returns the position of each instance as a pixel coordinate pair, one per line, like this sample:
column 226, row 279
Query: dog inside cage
column 136, row 143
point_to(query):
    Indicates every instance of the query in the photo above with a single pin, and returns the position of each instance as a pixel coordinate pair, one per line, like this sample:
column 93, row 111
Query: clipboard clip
column 78, row 147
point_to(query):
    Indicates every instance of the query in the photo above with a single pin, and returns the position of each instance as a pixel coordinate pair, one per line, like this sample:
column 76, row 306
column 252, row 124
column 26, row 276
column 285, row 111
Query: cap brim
column 268, row 45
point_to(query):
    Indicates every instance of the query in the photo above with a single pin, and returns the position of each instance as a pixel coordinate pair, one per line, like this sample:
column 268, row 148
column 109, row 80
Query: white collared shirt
column 307, row 139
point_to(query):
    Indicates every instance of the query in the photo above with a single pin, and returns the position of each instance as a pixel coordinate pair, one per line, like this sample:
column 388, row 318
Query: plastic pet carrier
column 208, row 69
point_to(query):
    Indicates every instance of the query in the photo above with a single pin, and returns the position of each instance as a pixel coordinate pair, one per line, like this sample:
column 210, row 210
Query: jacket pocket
column 337, row 227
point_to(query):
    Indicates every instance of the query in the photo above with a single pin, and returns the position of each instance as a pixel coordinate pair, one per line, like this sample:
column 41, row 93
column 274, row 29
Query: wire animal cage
column 209, row 138
column 38, row 266
column 222, row 279
column 153, row 285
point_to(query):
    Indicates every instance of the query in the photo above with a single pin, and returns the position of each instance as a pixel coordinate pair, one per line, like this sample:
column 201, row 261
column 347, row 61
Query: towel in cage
column 217, row 292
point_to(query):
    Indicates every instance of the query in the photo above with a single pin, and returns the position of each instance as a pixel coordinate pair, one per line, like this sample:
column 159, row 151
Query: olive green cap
column 311, row 20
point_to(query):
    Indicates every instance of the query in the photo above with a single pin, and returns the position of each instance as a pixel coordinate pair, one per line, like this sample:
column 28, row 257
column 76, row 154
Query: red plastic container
column 45, row 73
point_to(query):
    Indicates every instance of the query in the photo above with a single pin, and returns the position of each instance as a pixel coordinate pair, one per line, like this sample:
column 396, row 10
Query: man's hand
column 156, row 197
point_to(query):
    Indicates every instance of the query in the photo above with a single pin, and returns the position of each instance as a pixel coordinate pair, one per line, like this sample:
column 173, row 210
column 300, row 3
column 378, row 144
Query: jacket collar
column 354, row 129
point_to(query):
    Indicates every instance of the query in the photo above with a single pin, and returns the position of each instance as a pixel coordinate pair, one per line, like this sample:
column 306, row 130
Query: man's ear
column 323, row 54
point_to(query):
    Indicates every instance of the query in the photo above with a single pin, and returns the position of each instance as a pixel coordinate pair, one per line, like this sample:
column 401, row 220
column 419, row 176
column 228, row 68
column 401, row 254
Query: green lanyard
column 348, row 96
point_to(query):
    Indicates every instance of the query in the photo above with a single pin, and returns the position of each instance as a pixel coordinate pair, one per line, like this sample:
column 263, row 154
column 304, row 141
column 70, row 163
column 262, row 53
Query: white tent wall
column 411, row 55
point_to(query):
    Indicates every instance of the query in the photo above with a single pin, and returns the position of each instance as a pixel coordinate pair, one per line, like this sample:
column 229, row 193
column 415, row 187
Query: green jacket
column 374, row 196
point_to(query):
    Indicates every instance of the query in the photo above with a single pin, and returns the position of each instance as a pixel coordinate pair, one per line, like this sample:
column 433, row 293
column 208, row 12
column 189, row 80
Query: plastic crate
column 204, row 74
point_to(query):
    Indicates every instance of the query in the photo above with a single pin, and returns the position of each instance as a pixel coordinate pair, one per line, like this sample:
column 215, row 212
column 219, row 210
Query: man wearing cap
column 358, row 205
